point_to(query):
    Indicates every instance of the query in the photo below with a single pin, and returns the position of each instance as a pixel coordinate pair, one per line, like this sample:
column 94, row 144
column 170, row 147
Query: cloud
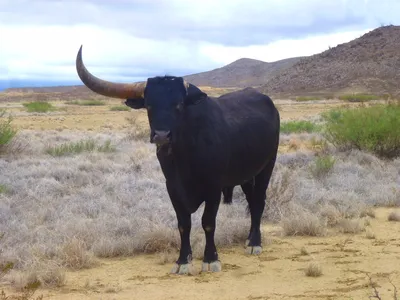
column 230, row 22
column 129, row 40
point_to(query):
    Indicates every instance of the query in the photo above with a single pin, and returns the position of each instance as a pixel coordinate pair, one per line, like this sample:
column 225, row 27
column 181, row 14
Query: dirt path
column 277, row 274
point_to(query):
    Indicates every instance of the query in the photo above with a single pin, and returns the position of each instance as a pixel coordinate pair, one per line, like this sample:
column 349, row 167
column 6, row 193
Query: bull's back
column 253, row 126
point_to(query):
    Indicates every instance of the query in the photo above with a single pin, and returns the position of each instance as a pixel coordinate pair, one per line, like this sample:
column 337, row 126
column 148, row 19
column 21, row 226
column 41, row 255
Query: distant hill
column 368, row 64
column 241, row 73
column 52, row 93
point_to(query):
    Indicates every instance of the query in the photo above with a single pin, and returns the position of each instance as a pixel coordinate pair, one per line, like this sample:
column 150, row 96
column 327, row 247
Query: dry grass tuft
column 368, row 212
column 47, row 275
column 304, row 251
column 394, row 216
column 160, row 240
column 167, row 257
column 304, row 224
column 294, row 144
column 351, row 226
column 74, row 255
column 313, row 270
column 370, row 234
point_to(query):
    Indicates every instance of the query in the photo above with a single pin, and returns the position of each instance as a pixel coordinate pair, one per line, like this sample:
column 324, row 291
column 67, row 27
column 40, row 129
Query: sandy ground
column 278, row 273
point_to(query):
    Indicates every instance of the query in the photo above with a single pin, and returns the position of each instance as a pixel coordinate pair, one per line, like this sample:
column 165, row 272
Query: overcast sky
column 130, row 40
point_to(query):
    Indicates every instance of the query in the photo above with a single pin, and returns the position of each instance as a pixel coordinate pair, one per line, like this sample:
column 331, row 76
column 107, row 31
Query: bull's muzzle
column 160, row 137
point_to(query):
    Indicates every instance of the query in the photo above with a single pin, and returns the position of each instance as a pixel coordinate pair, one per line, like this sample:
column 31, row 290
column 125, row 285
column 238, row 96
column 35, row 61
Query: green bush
column 86, row 102
column 322, row 165
column 7, row 132
column 299, row 126
column 38, row 106
column 120, row 108
column 375, row 129
column 88, row 145
column 3, row 189
column 359, row 97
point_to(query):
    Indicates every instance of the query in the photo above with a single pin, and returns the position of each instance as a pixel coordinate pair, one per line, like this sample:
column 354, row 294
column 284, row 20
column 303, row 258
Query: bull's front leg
column 210, row 261
column 184, row 263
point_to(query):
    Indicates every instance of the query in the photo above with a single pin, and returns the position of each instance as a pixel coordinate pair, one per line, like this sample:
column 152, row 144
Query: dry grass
column 313, row 270
column 168, row 257
column 49, row 274
column 351, row 226
column 368, row 212
column 63, row 212
column 394, row 216
column 139, row 131
column 303, row 224
column 74, row 255
column 370, row 234
column 304, row 251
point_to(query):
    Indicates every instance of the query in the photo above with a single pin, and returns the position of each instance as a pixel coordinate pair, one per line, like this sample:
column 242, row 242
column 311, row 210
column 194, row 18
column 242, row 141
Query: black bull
column 205, row 145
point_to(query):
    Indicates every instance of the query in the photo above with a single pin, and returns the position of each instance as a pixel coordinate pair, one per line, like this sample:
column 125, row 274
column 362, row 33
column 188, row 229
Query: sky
column 131, row 40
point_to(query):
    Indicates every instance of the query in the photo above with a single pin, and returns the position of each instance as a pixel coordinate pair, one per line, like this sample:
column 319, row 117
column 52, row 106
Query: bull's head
column 164, row 98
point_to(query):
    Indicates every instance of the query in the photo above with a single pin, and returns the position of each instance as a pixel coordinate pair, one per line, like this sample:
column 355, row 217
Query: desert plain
column 98, row 224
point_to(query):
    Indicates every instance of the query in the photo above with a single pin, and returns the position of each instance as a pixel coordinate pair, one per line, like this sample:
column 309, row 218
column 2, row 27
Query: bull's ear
column 135, row 103
column 194, row 95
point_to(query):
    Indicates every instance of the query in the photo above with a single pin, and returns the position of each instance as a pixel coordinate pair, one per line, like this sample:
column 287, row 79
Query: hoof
column 254, row 250
column 185, row 269
column 215, row 266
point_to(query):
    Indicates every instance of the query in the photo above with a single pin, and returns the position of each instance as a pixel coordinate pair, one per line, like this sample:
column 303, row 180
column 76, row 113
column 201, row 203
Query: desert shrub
column 3, row 189
column 313, row 270
column 374, row 129
column 303, row 223
column 7, row 131
column 322, row 165
column 394, row 216
column 38, row 106
column 120, row 108
column 299, row 126
column 359, row 97
column 26, row 291
column 75, row 256
column 88, row 145
column 351, row 226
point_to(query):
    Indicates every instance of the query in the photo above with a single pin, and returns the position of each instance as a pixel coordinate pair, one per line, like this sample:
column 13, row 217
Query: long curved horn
column 107, row 88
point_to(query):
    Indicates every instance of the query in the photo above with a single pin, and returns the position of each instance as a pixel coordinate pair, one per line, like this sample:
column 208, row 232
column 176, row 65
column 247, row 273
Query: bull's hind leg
column 210, row 261
column 256, row 206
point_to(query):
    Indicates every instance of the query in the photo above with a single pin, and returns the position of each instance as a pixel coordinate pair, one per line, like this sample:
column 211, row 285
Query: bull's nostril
column 161, row 136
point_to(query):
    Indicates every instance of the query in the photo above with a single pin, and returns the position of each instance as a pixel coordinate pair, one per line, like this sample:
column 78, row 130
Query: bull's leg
column 256, row 206
column 248, row 189
column 210, row 260
column 184, row 263
column 228, row 194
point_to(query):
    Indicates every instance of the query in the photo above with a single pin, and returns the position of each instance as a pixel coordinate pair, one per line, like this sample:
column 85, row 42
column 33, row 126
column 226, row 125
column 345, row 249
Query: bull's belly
column 238, row 174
